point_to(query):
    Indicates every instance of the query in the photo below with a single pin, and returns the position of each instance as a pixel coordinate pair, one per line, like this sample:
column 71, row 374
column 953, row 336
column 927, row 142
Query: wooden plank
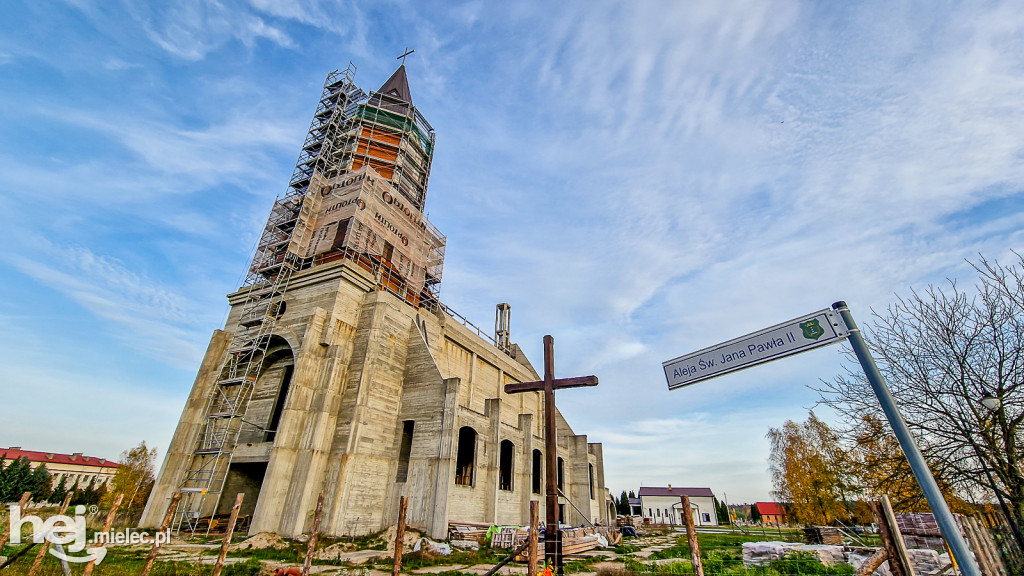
column 577, row 382
column 889, row 533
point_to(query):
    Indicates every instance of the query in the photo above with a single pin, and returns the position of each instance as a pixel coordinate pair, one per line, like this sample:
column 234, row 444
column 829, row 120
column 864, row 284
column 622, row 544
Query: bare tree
column 940, row 351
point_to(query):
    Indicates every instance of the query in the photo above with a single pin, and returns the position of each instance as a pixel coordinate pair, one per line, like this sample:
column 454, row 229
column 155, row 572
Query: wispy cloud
column 116, row 64
column 152, row 319
column 192, row 29
column 640, row 181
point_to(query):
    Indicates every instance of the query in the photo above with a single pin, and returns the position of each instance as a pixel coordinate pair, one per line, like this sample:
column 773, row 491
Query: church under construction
column 340, row 372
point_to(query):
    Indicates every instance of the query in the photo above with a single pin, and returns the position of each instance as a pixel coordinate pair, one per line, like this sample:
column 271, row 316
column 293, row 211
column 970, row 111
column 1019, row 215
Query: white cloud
column 639, row 180
column 116, row 64
column 154, row 320
column 191, row 29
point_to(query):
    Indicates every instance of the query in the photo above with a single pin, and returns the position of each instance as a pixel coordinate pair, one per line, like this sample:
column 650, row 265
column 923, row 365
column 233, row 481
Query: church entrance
column 259, row 431
column 247, row 478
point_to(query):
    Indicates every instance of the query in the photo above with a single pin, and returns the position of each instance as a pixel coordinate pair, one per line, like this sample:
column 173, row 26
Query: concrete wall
column 365, row 362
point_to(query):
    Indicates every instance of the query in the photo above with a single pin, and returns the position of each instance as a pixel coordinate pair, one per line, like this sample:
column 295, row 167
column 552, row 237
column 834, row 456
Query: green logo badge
column 812, row 330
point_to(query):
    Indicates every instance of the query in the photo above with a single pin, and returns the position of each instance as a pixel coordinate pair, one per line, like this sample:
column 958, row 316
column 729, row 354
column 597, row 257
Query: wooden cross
column 552, row 535
column 402, row 57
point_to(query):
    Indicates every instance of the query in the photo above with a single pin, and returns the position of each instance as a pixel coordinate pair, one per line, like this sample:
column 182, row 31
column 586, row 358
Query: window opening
column 537, row 459
column 465, row 460
column 508, row 450
column 275, row 416
column 404, row 450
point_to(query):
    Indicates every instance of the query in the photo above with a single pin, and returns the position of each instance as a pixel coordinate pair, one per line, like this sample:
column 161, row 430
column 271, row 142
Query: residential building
column 664, row 505
column 76, row 469
column 772, row 513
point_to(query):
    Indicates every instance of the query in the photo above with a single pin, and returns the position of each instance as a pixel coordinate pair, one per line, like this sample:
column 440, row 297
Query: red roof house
column 771, row 512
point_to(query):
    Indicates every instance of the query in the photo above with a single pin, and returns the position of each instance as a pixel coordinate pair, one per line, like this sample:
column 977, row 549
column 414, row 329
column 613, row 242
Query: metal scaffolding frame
column 350, row 129
column 278, row 255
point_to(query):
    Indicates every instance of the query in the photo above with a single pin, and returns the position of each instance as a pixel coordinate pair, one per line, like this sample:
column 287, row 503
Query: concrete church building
column 339, row 371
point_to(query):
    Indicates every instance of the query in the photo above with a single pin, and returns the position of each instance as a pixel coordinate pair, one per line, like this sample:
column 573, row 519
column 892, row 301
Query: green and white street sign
column 798, row 335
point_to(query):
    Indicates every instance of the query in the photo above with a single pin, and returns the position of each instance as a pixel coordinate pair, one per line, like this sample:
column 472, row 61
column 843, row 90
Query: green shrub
column 251, row 567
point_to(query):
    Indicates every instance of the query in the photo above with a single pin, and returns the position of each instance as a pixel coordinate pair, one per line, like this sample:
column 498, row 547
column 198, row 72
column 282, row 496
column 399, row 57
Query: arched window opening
column 465, row 460
column 508, row 450
column 282, row 396
column 538, row 459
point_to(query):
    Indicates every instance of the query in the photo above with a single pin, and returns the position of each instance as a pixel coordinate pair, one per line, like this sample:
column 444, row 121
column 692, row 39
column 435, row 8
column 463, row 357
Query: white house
column 664, row 505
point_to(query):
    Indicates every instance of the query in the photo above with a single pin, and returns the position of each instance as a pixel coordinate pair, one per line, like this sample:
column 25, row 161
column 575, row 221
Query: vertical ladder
column 279, row 254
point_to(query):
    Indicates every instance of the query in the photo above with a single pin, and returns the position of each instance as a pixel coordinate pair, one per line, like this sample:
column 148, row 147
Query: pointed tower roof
column 397, row 86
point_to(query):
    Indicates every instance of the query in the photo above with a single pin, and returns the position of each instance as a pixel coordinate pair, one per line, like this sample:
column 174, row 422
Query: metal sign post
column 943, row 517
column 822, row 328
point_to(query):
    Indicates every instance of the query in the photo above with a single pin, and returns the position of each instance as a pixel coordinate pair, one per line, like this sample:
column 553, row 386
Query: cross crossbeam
column 552, row 534
column 577, row 382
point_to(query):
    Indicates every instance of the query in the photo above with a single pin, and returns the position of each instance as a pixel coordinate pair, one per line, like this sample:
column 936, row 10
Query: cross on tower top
column 402, row 57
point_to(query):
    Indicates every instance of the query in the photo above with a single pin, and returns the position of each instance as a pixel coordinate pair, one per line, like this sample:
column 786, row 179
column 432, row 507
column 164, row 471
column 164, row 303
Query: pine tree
column 624, row 504
column 40, row 484
column 61, row 491
column 723, row 514
column 85, row 496
column 755, row 514
column 17, row 479
column 3, row 478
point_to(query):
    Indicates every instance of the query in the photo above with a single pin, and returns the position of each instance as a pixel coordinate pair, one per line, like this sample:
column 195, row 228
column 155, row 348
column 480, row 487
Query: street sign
column 798, row 335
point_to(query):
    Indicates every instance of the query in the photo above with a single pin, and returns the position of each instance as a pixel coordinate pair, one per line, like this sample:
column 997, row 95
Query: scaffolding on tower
column 278, row 256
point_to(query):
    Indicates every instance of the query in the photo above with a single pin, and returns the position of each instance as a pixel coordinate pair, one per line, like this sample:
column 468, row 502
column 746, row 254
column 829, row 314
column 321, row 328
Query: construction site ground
column 656, row 554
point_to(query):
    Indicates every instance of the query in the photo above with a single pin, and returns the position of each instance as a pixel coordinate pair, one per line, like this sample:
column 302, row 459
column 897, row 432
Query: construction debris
column 261, row 541
column 823, row 535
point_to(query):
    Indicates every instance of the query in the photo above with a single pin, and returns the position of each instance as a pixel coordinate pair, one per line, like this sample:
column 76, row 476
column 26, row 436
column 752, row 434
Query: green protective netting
column 397, row 121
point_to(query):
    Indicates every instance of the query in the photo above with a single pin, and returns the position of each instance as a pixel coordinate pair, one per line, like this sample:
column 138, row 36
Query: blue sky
column 639, row 180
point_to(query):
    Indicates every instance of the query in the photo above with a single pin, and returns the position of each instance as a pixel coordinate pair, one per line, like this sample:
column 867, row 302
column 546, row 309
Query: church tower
column 340, row 373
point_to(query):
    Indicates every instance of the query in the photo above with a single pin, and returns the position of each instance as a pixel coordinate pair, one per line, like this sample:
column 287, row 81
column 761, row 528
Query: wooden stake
column 691, row 538
column 892, row 539
column 399, row 537
column 989, row 561
column 46, row 543
column 312, row 534
column 227, row 535
column 534, row 528
column 106, row 530
column 165, row 525
column 21, row 507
